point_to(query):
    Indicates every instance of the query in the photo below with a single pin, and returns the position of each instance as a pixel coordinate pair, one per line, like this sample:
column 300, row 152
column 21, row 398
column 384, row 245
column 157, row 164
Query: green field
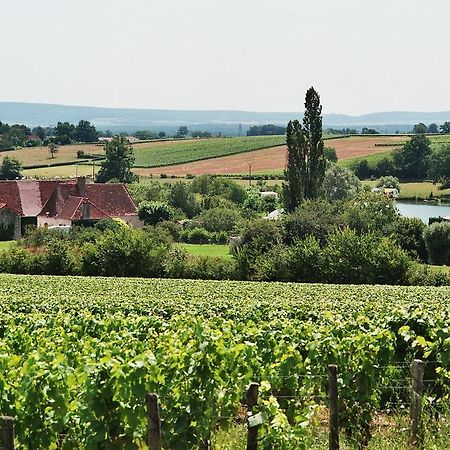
column 179, row 153
column 78, row 355
column 410, row 191
column 211, row 250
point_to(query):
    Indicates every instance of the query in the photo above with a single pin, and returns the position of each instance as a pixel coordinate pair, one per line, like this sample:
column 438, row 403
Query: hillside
column 128, row 119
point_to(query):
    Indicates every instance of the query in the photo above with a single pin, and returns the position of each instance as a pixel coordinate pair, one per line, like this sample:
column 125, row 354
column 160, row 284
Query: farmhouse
column 62, row 203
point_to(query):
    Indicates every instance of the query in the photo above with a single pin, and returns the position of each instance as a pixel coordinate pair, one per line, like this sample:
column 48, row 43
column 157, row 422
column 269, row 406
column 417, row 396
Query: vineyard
column 200, row 149
column 78, row 355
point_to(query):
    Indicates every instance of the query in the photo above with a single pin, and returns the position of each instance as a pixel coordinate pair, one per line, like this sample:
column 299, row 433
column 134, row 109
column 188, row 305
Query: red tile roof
column 63, row 199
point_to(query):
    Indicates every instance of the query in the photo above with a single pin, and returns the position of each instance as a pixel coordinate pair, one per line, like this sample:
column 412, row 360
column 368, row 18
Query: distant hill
column 123, row 119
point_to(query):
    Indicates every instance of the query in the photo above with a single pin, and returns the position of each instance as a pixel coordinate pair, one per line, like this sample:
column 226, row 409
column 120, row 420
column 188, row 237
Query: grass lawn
column 212, row 250
column 416, row 190
column 4, row 245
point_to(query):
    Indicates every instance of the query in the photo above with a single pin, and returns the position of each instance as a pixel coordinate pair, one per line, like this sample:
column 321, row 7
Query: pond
column 423, row 210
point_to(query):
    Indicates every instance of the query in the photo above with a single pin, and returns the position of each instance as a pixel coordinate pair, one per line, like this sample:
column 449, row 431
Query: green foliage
column 306, row 159
column 266, row 130
column 364, row 259
column 196, row 235
column 10, row 169
column 125, row 252
column 439, row 165
column 370, row 212
column 330, row 154
column 437, row 241
column 388, row 182
column 340, row 183
column 408, row 234
column 118, row 162
column 152, row 213
column 78, row 355
column 220, row 219
column 180, row 197
column 315, row 218
column 411, row 159
column 420, row 128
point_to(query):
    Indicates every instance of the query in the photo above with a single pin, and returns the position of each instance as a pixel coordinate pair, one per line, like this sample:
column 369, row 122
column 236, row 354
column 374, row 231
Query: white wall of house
column 52, row 221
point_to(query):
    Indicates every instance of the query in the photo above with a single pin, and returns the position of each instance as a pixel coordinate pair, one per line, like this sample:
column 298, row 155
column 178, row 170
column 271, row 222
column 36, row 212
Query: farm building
column 62, row 203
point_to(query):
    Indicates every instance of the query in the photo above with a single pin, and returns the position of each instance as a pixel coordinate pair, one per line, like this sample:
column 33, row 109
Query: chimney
column 85, row 210
column 81, row 183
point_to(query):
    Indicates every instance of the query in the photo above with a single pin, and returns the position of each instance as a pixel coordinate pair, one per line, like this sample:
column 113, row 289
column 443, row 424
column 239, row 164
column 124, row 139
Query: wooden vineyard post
column 7, row 426
column 252, row 431
column 416, row 438
column 334, row 412
column 153, row 422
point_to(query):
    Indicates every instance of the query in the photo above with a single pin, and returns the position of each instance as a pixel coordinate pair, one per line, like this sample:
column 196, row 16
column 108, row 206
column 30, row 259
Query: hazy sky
column 260, row 55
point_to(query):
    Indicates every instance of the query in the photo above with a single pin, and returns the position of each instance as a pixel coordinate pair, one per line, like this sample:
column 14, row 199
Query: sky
column 362, row 56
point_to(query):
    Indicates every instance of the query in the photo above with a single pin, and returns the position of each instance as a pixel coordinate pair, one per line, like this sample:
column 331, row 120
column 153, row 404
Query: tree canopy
column 411, row 159
column 306, row 159
column 118, row 162
column 10, row 169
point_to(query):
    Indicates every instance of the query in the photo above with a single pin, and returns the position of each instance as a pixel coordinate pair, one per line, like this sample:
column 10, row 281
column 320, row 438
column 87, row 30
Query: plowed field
column 275, row 158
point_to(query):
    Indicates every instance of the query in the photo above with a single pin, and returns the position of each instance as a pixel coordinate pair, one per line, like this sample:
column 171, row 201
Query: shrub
column 423, row 275
column 60, row 259
column 352, row 258
column 153, row 212
column 220, row 219
column 370, row 212
column 437, row 241
column 180, row 197
column 315, row 218
column 272, row 266
column 17, row 260
column 407, row 232
column 126, row 252
column 388, row 182
column 305, row 261
column 340, row 183
column 196, row 235
column 207, row 268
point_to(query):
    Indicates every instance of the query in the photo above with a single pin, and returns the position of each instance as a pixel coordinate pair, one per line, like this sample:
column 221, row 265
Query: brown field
column 273, row 159
column 67, row 153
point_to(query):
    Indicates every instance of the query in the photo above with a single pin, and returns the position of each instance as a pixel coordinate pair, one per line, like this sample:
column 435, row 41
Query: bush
column 422, row 275
column 207, row 268
column 196, row 235
column 17, row 260
column 437, row 241
column 315, row 218
column 126, row 253
column 370, row 212
column 305, row 261
column 388, row 182
column 407, row 232
column 60, row 259
column 258, row 238
column 352, row 258
column 180, row 197
column 220, row 219
column 153, row 212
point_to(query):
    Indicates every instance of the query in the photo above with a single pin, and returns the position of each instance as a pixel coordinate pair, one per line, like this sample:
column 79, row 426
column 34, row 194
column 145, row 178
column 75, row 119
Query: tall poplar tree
column 306, row 160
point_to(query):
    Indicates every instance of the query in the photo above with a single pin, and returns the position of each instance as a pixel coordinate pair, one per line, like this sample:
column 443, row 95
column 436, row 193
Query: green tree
column 369, row 131
column 39, row 131
column 118, row 162
column 420, row 128
column 52, row 149
column 437, row 241
column 445, row 128
column 433, row 128
column 306, row 159
column 10, row 169
column 63, row 133
column 340, row 183
column 85, row 132
column 388, row 182
column 152, row 213
column 182, row 132
column 180, row 197
column 439, row 165
column 330, row 154
column 411, row 159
